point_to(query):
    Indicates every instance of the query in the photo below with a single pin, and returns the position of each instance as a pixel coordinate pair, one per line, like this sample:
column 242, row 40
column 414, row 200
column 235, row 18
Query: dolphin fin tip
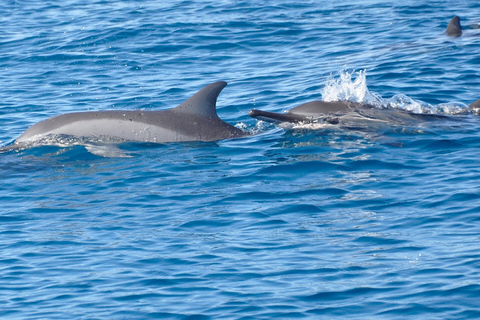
column 203, row 102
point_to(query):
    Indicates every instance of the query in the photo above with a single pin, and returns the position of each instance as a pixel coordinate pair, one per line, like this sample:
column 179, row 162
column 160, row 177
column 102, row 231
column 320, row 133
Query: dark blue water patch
column 380, row 241
column 12, row 218
column 165, row 48
column 378, row 165
column 444, row 145
column 206, row 224
column 138, row 297
column 392, row 247
column 270, row 223
column 10, row 261
column 463, row 196
column 173, row 261
column 470, row 314
column 346, row 310
column 197, row 317
column 285, row 170
column 51, row 210
column 331, row 296
column 159, row 283
column 281, row 314
column 435, row 271
column 294, row 209
column 451, row 201
column 416, row 309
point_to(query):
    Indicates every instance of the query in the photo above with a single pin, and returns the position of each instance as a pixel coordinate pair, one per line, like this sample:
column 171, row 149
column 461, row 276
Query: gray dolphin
column 454, row 28
column 194, row 120
column 348, row 114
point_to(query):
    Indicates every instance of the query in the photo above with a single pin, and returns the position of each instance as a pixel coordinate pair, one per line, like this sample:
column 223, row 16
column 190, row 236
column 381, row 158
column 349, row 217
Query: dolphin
column 348, row 114
column 195, row 119
column 454, row 28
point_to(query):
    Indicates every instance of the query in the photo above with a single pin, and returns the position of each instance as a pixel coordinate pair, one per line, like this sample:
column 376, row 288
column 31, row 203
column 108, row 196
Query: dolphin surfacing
column 308, row 112
column 349, row 114
column 454, row 28
column 195, row 119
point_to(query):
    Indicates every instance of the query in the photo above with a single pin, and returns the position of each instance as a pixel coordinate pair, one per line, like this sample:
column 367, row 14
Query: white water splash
column 401, row 101
column 348, row 89
column 352, row 86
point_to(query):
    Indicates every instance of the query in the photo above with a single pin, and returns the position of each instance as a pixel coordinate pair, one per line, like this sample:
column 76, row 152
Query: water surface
column 299, row 223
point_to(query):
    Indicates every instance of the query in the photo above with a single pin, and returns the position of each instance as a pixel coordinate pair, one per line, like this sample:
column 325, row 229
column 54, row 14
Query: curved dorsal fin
column 203, row 102
column 454, row 28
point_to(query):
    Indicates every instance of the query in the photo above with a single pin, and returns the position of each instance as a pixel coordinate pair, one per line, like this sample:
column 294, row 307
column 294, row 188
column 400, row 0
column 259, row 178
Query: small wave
column 307, row 125
column 66, row 140
column 352, row 86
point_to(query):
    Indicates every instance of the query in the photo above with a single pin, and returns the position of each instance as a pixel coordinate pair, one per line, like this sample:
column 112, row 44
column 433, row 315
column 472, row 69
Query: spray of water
column 352, row 86
column 349, row 88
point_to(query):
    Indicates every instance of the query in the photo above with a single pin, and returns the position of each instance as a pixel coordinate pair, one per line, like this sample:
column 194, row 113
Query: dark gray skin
column 194, row 120
column 349, row 114
column 307, row 112
column 454, row 28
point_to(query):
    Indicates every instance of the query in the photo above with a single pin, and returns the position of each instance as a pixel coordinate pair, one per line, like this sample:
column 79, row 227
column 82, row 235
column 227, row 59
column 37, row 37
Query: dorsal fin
column 475, row 106
column 203, row 102
column 454, row 28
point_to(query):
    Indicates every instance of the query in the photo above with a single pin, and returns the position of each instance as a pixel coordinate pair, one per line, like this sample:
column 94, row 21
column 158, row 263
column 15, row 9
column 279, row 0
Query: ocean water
column 288, row 223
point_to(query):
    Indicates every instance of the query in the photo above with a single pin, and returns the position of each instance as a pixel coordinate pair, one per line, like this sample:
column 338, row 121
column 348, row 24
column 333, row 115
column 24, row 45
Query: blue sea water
column 301, row 223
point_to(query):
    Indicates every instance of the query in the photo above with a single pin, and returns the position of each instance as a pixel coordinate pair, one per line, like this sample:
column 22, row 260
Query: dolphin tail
column 454, row 28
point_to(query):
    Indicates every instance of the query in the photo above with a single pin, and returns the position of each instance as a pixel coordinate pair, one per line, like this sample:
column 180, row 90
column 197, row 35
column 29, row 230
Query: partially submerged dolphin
column 194, row 120
column 454, row 28
column 347, row 113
